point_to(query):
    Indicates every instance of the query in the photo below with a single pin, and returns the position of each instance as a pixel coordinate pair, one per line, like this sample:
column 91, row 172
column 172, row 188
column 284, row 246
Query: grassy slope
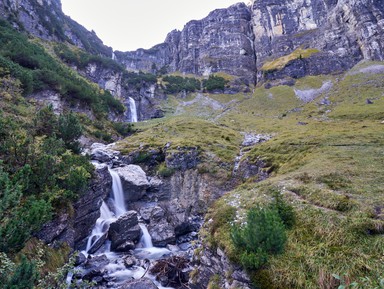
column 330, row 169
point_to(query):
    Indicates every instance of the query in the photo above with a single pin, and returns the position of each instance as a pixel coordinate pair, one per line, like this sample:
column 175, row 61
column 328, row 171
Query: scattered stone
column 129, row 261
column 368, row 101
column 251, row 139
column 302, row 123
column 80, row 259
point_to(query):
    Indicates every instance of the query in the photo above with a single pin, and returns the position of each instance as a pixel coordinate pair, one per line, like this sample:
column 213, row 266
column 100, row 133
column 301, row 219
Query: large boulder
column 125, row 232
column 142, row 283
column 134, row 182
column 162, row 233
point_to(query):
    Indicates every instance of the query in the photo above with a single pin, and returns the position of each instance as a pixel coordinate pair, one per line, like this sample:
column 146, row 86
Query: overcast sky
column 131, row 24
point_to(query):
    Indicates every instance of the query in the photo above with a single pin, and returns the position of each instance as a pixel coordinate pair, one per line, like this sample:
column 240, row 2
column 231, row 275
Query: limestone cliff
column 221, row 42
column 344, row 32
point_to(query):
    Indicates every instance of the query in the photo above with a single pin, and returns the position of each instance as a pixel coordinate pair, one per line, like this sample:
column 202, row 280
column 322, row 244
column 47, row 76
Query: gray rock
column 134, row 181
column 162, row 233
column 142, row 283
column 125, row 232
column 103, row 153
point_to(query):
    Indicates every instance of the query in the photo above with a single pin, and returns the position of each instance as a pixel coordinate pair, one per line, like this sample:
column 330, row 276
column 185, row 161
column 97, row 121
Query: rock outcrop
column 74, row 229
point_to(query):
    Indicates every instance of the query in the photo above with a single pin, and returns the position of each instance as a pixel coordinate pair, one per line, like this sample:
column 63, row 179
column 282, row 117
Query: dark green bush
column 262, row 235
column 23, row 277
column 176, row 84
column 285, row 211
column 214, row 83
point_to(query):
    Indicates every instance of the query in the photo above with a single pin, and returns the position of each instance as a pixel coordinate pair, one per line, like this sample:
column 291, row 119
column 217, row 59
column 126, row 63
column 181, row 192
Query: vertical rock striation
column 221, row 42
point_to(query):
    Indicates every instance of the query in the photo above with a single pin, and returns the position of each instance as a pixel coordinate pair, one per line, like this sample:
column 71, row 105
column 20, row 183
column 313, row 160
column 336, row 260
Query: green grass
column 281, row 62
column 330, row 170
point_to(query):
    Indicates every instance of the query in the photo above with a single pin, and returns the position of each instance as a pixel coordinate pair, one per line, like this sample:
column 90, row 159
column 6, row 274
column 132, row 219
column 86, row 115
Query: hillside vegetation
column 325, row 159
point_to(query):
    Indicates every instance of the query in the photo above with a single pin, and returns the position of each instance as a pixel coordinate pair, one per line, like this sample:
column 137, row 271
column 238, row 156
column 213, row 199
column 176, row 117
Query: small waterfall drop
column 118, row 194
column 114, row 56
column 101, row 226
column 132, row 107
column 146, row 239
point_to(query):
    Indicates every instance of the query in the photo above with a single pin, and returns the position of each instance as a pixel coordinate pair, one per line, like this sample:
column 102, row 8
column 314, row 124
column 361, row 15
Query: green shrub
column 23, row 276
column 214, row 83
column 176, row 84
column 285, row 211
column 262, row 234
column 164, row 171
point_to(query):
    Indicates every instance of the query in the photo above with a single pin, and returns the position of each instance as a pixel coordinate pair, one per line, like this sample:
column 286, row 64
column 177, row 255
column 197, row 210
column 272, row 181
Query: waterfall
column 106, row 215
column 114, row 56
column 146, row 239
column 101, row 226
column 132, row 107
column 118, row 194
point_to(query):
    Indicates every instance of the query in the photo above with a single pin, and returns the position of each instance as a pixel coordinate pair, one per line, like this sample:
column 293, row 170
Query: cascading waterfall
column 114, row 56
column 116, row 268
column 106, row 215
column 146, row 239
column 101, row 226
column 118, row 194
column 132, row 108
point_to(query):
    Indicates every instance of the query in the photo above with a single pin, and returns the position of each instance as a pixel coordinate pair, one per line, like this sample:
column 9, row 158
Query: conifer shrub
column 262, row 235
column 214, row 83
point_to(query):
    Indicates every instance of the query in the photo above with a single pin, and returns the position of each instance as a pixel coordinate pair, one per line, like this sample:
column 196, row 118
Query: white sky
column 131, row 24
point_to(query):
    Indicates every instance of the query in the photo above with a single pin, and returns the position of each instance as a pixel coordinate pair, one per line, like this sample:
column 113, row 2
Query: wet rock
column 80, row 258
column 134, row 182
column 142, row 283
column 103, row 153
column 162, row 233
column 124, row 232
column 96, row 246
column 129, row 261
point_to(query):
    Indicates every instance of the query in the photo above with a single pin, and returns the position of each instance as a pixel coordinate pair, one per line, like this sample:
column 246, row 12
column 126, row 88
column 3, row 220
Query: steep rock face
column 221, row 42
column 45, row 19
column 145, row 94
column 344, row 32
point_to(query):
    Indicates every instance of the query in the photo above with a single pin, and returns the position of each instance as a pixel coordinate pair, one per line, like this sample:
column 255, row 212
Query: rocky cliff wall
column 221, row 42
column 344, row 32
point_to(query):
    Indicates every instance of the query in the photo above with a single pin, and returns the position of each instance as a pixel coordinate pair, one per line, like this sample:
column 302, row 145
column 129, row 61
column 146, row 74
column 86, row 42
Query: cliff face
column 240, row 40
column 344, row 32
column 221, row 42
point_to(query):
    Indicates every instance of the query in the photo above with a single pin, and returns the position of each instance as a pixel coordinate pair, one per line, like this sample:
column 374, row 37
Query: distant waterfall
column 114, row 56
column 132, row 107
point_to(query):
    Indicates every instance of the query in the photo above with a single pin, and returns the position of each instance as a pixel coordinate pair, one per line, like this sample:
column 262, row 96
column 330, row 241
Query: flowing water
column 116, row 268
column 132, row 108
